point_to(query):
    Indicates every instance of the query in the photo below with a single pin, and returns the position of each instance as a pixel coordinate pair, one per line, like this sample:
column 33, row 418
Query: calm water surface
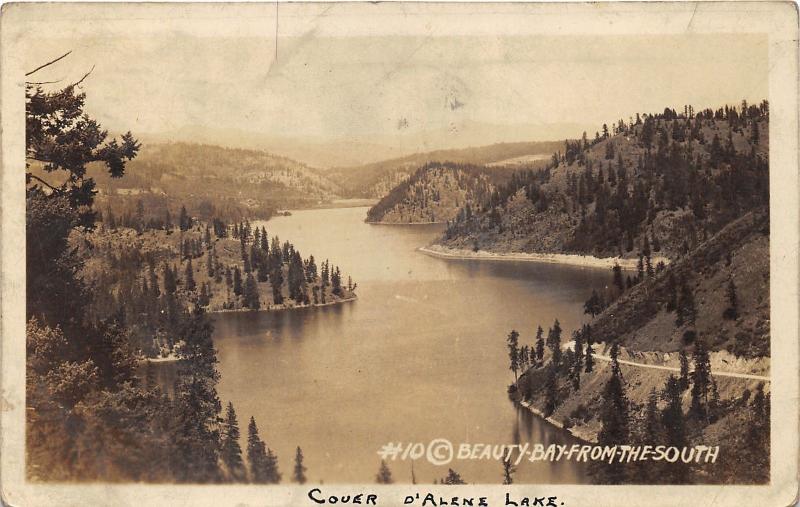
column 420, row 355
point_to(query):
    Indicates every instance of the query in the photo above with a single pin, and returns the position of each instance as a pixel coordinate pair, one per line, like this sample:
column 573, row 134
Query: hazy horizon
column 395, row 93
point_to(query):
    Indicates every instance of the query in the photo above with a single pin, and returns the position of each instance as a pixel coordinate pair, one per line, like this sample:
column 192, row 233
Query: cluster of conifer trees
column 149, row 288
column 667, row 165
column 549, row 377
column 91, row 414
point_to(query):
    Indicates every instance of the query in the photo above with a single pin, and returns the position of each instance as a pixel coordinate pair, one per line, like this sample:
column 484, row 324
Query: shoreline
column 336, row 204
column 284, row 308
column 171, row 358
column 586, row 261
column 403, row 223
column 549, row 420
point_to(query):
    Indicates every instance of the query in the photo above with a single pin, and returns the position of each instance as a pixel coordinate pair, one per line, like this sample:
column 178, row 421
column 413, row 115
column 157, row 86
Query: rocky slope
column 669, row 180
column 645, row 322
column 195, row 174
column 434, row 193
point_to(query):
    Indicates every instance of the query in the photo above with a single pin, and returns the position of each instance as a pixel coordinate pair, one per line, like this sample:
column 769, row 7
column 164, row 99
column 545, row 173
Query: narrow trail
column 673, row 368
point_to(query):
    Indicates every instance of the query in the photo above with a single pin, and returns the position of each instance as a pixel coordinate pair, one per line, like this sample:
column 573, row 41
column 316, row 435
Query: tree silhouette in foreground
column 299, row 470
column 231, row 450
column 452, row 478
column 384, row 474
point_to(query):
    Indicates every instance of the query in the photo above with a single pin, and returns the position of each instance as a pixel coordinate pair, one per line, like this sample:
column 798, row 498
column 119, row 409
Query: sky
column 355, row 76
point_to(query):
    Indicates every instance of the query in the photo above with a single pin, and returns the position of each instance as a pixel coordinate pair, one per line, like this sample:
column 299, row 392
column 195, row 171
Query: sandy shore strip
column 284, row 307
column 170, row 358
column 571, row 259
column 404, row 223
column 583, row 436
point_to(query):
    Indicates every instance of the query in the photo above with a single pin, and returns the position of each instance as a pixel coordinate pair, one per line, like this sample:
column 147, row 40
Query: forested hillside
column 719, row 291
column 214, row 181
column 377, row 179
column 675, row 354
column 150, row 275
column 668, row 180
column 434, row 193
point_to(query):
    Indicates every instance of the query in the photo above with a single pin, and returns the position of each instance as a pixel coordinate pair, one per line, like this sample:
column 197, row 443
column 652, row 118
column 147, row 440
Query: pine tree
column 251, row 297
column 756, row 438
column 524, row 357
column 336, row 282
column 701, row 381
column 589, row 349
column 170, row 284
column 652, row 419
column 237, row 281
column 207, row 237
column 452, row 478
column 512, row 342
column 614, row 413
column 614, row 355
column 672, row 293
column 263, row 462
column 577, row 364
column 384, row 474
column 593, row 306
column 189, row 276
column 674, row 426
column 640, row 269
column 276, row 279
column 551, row 390
column 231, row 451
column 646, row 246
column 539, row 345
column 256, row 453
column 508, row 471
column 732, row 312
column 246, row 260
column 271, row 472
column 684, row 378
column 197, row 403
column 299, row 470
column 154, row 289
column 262, row 275
column 618, row 281
column 210, row 265
column 554, row 343
column 264, row 240
column 185, row 223
column 714, row 402
column 686, row 311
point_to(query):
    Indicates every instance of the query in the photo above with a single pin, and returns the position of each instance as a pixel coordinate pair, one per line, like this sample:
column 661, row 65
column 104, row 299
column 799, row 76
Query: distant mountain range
column 358, row 151
column 377, row 179
column 245, row 183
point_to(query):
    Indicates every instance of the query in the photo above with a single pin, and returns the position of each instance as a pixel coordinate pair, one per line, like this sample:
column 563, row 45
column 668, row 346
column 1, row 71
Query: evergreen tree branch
column 43, row 82
column 40, row 67
column 33, row 176
column 84, row 77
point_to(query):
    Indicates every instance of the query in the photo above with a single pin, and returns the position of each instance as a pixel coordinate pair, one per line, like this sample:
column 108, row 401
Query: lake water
column 420, row 355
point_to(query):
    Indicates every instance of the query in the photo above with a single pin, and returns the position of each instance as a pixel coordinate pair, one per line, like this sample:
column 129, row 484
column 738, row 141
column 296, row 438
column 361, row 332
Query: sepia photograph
column 343, row 246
